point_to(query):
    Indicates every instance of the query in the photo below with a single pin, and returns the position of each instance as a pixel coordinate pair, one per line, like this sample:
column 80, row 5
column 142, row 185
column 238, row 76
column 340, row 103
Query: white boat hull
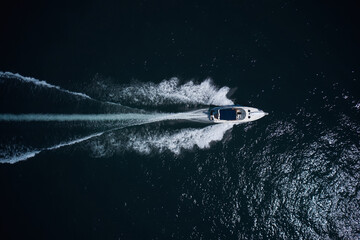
column 235, row 114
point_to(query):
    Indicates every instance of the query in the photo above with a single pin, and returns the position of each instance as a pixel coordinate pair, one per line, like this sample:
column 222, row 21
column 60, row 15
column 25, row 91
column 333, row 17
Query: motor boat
column 235, row 114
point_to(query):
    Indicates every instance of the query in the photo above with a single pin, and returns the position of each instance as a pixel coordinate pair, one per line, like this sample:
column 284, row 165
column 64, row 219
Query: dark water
column 113, row 154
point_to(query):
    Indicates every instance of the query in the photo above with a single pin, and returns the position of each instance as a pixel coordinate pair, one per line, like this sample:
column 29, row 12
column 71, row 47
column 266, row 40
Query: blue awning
column 228, row 114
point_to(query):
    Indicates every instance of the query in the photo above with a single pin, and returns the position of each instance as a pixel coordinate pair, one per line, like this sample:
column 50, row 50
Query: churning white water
column 141, row 94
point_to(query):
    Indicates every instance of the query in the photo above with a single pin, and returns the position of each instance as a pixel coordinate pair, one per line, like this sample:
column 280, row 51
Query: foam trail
column 175, row 142
column 75, row 141
column 167, row 92
column 26, row 155
column 75, row 117
column 30, row 154
column 148, row 140
column 41, row 83
column 198, row 114
column 132, row 120
column 20, row 157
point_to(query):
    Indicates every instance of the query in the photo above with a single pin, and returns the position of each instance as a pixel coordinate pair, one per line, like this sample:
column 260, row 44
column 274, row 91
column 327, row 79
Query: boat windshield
column 241, row 114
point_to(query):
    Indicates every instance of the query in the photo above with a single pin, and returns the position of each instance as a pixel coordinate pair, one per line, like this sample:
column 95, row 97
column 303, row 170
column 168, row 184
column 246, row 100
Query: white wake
column 24, row 155
column 175, row 142
column 126, row 120
column 41, row 83
column 197, row 115
column 9, row 75
column 149, row 140
column 167, row 92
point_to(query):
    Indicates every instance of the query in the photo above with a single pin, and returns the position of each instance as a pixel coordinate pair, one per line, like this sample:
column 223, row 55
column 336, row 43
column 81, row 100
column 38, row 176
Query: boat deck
column 231, row 114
